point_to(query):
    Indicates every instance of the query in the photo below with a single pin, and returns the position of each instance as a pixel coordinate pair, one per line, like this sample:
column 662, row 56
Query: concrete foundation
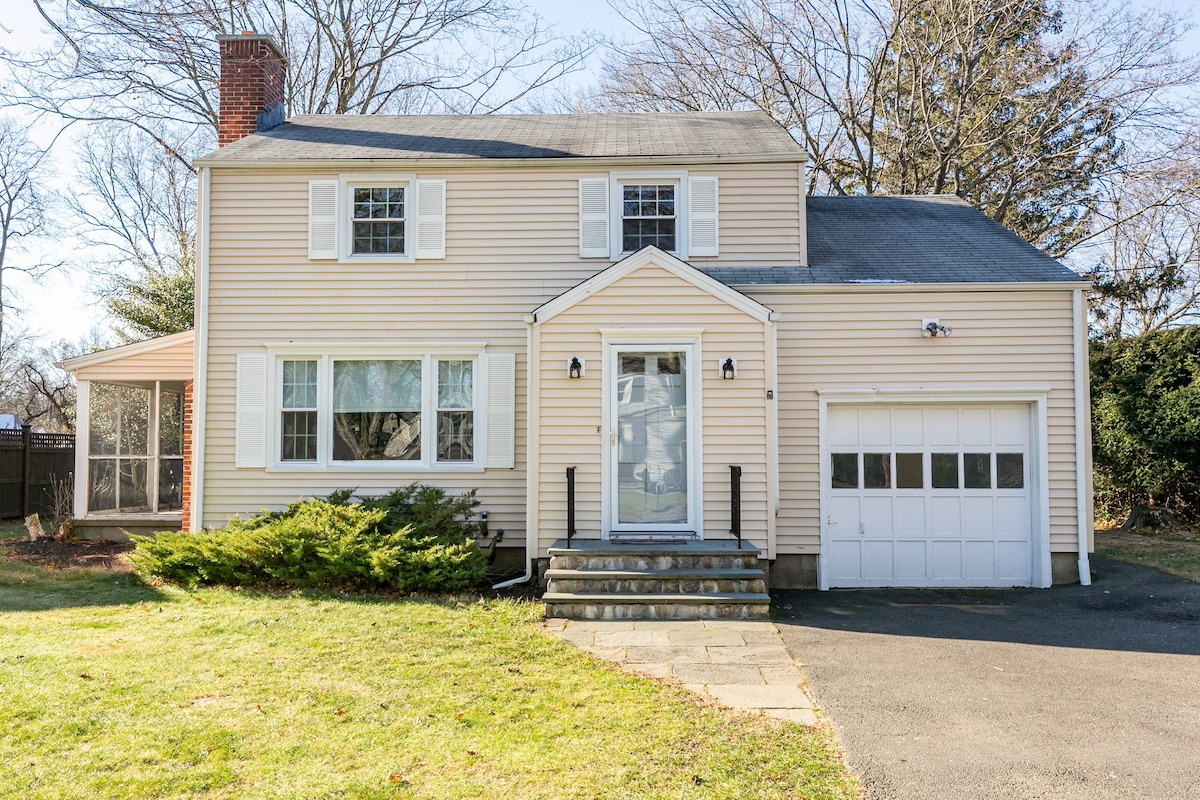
column 116, row 528
column 793, row 571
column 1064, row 568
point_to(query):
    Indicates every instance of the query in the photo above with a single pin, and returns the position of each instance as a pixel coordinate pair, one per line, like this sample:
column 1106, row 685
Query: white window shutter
column 501, row 372
column 431, row 219
column 322, row 219
column 251, row 409
column 593, row 218
column 702, row 216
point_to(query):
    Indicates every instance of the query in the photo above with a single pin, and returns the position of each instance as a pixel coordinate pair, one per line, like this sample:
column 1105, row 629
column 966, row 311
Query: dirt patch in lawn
column 1176, row 551
column 66, row 555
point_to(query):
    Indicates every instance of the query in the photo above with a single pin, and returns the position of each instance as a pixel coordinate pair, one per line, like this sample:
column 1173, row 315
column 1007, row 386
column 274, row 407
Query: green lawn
column 1173, row 551
column 112, row 689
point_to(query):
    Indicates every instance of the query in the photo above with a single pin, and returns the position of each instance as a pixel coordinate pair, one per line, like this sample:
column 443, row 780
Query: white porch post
column 83, row 426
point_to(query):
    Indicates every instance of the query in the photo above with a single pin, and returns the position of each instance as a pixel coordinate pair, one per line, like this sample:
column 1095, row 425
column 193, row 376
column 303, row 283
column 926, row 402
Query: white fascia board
column 907, row 287
column 127, row 350
column 647, row 256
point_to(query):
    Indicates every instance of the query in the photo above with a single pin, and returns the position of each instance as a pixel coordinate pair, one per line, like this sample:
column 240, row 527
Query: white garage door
column 931, row 495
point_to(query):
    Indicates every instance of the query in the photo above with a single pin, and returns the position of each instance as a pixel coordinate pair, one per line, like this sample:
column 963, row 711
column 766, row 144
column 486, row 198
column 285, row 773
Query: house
column 636, row 327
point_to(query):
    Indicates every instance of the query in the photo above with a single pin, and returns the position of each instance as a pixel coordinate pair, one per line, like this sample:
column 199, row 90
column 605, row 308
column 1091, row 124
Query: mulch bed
column 65, row 555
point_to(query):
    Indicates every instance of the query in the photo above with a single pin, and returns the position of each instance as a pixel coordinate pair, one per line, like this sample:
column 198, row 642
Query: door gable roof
column 650, row 256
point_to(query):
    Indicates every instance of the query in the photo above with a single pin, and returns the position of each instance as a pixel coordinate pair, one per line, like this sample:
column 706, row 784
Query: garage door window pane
column 1010, row 471
column 845, row 470
column 945, row 470
column 877, row 470
column 910, row 473
column 977, row 470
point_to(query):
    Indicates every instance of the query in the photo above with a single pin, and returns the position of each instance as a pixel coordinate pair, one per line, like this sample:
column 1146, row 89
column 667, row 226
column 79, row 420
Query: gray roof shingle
column 925, row 239
column 498, row 136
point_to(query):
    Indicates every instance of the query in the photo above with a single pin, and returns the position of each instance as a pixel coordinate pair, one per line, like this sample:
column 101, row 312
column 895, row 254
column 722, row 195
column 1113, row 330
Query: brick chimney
column 252, row 78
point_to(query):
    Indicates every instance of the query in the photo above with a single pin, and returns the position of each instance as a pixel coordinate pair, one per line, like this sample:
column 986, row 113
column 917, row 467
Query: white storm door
column 651, row 483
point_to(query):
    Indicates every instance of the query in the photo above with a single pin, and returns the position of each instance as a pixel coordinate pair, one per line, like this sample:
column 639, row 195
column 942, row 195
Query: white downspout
column 1082, row 432
column 531, row 460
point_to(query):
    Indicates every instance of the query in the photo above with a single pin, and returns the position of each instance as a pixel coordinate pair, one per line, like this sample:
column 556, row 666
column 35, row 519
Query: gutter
column 531, row 461
column 572, row 162
column 1082, row 434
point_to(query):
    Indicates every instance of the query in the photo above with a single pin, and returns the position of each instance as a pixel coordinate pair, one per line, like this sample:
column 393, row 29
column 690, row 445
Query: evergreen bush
column 1146, row 423
column 414, row 539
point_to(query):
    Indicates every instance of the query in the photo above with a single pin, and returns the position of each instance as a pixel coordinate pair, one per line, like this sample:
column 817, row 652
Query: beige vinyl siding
column 172, row 363
column 861, row 340
column 572, row 429
column 511, row 245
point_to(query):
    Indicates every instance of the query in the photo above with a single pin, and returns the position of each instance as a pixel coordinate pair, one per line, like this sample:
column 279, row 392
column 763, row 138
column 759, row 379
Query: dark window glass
column 910, row 473
column 647, row 217
column 877, row 469
column 1010, row 471
column 299, row 436
column 378, row 217
column 944, row 467
column 977, row 470
column 845, row 470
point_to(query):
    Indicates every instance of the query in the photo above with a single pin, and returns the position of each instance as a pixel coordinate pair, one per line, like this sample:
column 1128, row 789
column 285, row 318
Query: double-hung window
column 377, row 216
column 298, row 411
column 648, row 216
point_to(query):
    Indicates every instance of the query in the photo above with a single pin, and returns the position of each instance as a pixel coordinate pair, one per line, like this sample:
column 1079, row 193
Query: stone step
column 604, row 605
column 669, row 581
column 645, row 560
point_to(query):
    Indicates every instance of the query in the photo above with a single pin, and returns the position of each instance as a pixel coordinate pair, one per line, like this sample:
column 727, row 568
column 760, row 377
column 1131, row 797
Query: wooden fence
column 30, row 466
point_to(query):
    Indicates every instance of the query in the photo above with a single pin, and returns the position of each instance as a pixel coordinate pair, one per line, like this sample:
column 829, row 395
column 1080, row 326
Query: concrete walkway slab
column 738, row 664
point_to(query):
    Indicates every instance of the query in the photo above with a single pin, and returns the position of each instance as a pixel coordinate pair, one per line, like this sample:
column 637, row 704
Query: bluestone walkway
column 738, row 664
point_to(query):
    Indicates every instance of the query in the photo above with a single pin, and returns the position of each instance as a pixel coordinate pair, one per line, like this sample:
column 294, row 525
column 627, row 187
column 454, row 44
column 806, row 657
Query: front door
column 651, row 465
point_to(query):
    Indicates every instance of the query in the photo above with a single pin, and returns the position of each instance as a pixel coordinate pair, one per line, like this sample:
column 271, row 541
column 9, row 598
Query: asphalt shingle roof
column 926, row 239
column 515, row 136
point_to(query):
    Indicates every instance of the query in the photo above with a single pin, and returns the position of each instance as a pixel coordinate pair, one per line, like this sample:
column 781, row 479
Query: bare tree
column 24, row 197
column 1146, row 258
column 153, row 64
column 136, row 215
column 32, row 386
column 1015, row 105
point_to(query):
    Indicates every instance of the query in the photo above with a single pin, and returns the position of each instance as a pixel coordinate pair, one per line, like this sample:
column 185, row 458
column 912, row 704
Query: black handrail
column 735, row 504
column 570, row 504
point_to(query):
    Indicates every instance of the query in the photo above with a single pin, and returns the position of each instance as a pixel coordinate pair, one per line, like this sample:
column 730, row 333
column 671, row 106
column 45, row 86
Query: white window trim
column 428, row 353
column 347, row 182
column 618, row 179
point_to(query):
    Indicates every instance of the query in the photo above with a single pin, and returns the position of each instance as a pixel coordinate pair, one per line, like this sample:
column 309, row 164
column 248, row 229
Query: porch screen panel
column 170, row 450
column 119, row 448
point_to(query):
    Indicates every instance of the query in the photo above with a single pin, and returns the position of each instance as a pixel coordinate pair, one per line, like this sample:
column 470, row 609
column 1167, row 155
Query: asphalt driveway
column 1071, row 692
